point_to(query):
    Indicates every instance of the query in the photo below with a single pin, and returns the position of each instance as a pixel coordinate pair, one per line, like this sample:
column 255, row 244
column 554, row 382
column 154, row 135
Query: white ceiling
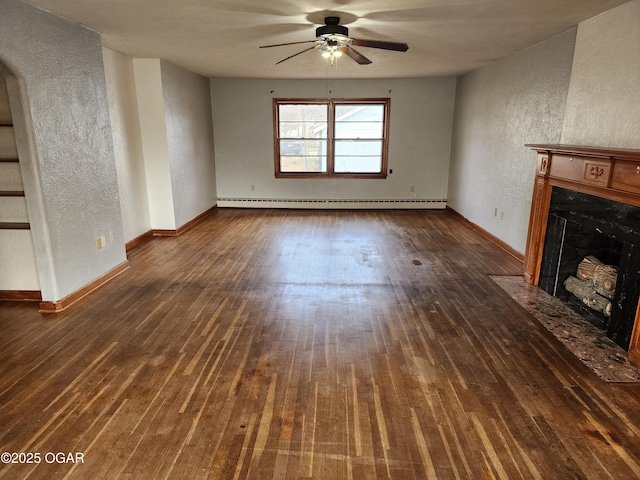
column 220, row 38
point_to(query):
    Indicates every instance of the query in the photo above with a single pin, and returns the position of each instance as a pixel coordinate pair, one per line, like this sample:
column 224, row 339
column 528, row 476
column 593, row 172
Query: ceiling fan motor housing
column 332, row 28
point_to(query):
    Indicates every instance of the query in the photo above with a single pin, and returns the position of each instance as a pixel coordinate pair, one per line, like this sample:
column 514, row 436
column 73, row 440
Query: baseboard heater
column 330, row 204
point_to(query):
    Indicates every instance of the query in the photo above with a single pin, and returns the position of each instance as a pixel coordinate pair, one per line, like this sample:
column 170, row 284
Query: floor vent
column 327, row 204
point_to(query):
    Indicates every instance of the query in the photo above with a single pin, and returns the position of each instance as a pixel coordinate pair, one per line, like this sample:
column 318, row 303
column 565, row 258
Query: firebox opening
column 591, row 259
column 567, row 247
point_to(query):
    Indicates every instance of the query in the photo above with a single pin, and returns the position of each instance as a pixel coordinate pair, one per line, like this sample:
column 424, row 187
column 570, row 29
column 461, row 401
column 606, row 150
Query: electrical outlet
column 253, row 188
column 103, row 241
column 501, row 215
column 98, row 244
column 111, row 237
column 495, row 212
column 412, row 188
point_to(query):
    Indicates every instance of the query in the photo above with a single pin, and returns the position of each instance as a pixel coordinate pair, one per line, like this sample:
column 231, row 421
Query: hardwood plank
column 308, row 344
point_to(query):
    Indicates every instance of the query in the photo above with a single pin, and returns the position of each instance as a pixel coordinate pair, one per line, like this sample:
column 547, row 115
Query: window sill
column 378, row 176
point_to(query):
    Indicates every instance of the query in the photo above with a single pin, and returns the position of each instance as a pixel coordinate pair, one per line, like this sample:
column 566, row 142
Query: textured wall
column 187, row 106
column 603, row 107
column 499, row 108
column 420, row 137
column 127, row 144
column 66, row 146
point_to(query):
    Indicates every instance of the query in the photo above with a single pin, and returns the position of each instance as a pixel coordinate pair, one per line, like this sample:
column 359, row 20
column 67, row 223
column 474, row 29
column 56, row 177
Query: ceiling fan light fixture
column 332, row 41
column 332, row 50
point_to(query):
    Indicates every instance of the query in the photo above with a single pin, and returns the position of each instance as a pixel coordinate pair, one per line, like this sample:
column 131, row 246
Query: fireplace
column 583, row 244
column 592, row 246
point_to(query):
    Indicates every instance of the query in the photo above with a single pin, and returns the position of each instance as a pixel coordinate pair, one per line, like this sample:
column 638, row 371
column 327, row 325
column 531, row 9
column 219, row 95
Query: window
column 331, row 138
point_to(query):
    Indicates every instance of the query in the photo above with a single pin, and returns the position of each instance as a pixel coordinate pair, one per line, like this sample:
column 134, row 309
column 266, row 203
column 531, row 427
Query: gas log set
column 594, row 284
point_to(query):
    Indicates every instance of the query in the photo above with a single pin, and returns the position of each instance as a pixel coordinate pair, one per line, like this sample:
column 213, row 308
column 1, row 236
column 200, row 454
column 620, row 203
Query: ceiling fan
column 333, row 40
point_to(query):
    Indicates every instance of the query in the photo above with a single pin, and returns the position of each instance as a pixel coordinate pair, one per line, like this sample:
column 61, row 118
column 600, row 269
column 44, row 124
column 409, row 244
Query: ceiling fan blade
column 290, row 43
column 398, row 47
column 355, row 55
column 296, row 54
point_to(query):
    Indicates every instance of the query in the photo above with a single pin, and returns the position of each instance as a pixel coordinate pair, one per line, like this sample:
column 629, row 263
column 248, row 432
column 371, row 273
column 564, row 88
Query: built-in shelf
column 14, row 226
column 11, row 193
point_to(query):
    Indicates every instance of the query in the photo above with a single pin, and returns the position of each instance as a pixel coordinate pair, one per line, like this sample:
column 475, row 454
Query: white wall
column 174, row 111
column 520, row 99
column 127, row 144
column 603, row 107
column 419, row 143
column 189, row 127
column 5, row 108
column 17, row 259
column 18, row 269
column 155, row 147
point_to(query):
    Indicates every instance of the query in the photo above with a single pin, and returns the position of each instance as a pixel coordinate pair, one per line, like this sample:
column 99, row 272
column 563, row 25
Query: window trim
column 331, row 103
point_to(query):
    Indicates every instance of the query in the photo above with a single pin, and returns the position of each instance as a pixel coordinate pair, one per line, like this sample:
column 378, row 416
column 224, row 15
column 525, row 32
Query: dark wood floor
column 308, row 344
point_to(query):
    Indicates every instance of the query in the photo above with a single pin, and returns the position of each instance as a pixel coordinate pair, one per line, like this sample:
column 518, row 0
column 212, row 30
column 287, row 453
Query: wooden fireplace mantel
column 604, row 172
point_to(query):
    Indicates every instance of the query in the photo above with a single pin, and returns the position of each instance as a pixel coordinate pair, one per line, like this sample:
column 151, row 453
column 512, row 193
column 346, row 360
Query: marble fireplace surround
column 612, row 174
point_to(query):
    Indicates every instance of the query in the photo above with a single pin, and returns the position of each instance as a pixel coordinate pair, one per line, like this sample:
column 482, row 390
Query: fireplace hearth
column 586, row 208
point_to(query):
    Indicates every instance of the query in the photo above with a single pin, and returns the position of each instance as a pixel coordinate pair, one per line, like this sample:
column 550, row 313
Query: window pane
column 357, row 148
column 303, row 156
column 316, row 164
column 358, row 156
column 302, row 121
column 359, row 121
column 358, row 164
column 321, row 138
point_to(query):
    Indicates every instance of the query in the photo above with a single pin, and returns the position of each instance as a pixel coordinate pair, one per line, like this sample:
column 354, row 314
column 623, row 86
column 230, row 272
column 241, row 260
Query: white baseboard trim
column 330, row 204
